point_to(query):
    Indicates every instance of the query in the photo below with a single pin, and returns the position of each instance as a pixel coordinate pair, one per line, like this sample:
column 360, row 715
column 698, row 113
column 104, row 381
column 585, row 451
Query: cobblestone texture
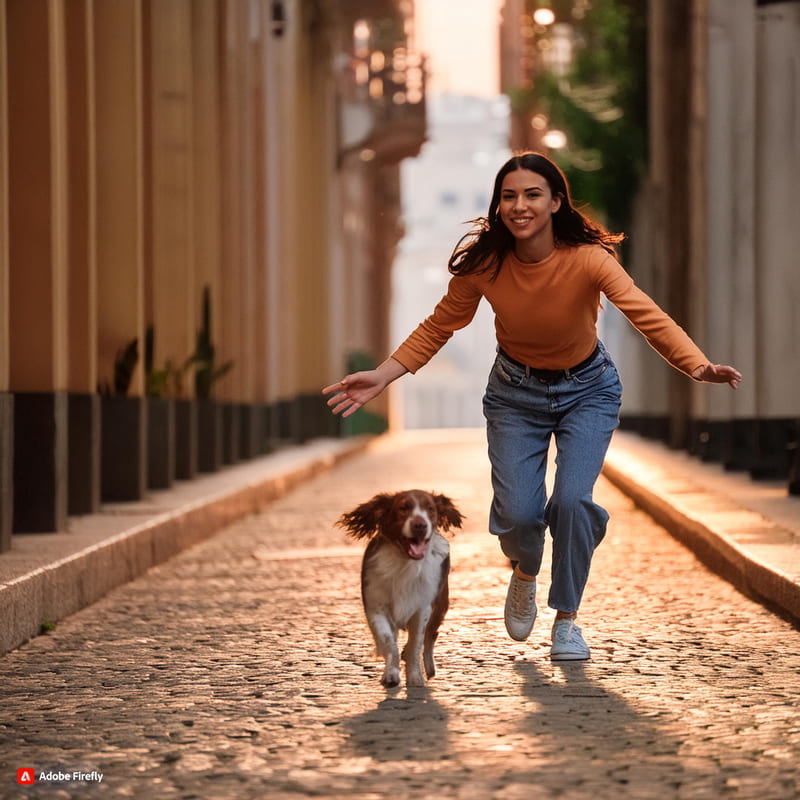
column 242, row 668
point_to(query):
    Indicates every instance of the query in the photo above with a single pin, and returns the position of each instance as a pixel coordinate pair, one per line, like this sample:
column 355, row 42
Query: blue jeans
column 523, row 411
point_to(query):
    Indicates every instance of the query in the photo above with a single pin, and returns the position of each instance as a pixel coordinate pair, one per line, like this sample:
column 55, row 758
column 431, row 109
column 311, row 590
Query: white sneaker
column 568, row 644
column 520, row 611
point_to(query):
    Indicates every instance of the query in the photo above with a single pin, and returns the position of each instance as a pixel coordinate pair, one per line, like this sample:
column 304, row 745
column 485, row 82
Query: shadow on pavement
column 411, row 728
column 578, row 720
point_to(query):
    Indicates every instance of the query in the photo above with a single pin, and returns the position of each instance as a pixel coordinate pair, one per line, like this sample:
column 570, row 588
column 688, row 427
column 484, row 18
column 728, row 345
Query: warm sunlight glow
column 544, row 16
column 362, row 73
column 376, row 88
column 539, row 122
column 361, row 37
column 377, row 61
column 554, row 140
column 461, row 39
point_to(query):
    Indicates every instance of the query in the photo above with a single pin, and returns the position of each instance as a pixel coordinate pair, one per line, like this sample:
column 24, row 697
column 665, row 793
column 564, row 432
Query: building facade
column 199, row 206
column 448, row 184
column 715, row 236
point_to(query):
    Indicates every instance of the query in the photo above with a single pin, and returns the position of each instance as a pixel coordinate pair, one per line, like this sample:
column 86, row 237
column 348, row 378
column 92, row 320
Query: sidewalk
column 47, row 576
column 748, row 532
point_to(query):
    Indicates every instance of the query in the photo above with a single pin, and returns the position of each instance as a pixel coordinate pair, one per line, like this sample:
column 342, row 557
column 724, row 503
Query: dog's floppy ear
column 448, row 514
column 366, row 519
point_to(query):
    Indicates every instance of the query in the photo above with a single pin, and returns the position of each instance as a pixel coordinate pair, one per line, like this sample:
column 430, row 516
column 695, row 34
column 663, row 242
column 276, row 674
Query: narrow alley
column 242, row 668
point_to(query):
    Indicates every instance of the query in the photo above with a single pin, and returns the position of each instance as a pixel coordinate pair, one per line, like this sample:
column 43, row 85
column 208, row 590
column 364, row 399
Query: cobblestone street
column 243, row 668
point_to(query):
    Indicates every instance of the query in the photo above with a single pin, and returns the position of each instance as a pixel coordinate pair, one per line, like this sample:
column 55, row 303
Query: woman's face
column 526, row 208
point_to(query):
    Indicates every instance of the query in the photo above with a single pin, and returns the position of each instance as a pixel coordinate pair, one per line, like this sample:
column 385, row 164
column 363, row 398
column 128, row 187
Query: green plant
column 124, row 364
column 155, row 380
column 364, row 421
column 207, row 373
column 601, row 103
column 169, row 380
column 166, row 381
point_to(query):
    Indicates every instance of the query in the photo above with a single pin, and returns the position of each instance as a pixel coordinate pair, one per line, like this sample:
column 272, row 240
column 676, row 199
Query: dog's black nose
column 419, row 526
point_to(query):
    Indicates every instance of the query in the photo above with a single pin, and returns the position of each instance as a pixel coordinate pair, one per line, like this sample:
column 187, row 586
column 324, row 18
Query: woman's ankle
column 523, row 575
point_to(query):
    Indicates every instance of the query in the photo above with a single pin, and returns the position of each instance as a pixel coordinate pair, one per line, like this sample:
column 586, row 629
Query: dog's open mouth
column 413, row 548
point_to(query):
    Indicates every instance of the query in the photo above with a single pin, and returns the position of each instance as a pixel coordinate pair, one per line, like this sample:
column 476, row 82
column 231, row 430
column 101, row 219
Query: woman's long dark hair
column 486, row 246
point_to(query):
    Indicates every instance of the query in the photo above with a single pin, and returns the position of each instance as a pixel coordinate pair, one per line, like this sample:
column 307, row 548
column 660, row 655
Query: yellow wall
column 156, row 147
column 120, row 182
column 81, row 194
column 231, row 70
column 150, row 149
column 206, row 164
column 37, row 199
column 314, row 161
column 4, row 351
column 169, row 181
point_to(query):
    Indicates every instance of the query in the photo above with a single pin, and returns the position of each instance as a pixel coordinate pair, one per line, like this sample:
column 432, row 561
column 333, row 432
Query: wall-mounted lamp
column 278, row 18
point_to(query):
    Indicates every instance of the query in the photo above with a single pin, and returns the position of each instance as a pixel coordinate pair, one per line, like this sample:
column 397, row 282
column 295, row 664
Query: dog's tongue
column 416, row 549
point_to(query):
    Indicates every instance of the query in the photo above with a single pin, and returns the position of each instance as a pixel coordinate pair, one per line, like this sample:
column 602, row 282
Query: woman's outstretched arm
column 718, row 373
column 354, row 391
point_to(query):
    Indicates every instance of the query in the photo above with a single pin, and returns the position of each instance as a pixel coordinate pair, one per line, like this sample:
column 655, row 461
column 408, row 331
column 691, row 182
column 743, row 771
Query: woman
column 542, row 265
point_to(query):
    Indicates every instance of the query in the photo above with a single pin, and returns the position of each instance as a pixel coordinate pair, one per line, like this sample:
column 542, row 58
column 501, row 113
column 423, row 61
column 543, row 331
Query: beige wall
column 151, row 148
column 120, row 182
column 81, row 193
column 233, row 83
column 169, row 181
column 729, row 255
column 721, row 210
column 206, row 205
column 744, row 239
column 777, row 206
column 286, row 283
column 715, row 235
column 37, row 196
column 4, row 268
column 315, row 162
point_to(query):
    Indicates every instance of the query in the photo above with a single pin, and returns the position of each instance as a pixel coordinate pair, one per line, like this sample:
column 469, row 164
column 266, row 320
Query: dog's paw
column 391, row 677
column 414, row 678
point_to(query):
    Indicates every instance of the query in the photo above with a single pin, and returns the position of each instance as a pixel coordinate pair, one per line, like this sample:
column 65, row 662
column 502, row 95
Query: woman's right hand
column 353, row 391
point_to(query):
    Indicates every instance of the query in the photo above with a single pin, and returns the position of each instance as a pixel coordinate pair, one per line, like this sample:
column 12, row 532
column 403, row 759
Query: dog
column 404, row 575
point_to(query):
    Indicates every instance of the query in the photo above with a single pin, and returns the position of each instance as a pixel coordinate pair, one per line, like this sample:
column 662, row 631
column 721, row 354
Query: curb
column 714, row 547
column 57, row 590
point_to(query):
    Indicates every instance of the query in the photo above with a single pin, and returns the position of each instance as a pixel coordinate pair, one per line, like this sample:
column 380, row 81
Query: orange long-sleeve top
column 546, row 312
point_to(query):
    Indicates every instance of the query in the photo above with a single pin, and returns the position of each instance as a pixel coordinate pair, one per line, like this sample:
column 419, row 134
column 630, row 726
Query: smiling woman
column 527, row 206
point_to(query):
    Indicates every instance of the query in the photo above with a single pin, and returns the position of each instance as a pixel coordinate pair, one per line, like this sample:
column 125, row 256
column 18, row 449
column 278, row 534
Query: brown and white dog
column 404, row 575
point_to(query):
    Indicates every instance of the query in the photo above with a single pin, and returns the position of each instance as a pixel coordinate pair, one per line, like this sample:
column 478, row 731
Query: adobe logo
column 25, row 776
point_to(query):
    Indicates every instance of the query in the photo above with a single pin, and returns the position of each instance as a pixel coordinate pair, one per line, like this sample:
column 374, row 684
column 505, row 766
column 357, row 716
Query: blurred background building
column 202, row 203
column 677, row 122
column 447, row 185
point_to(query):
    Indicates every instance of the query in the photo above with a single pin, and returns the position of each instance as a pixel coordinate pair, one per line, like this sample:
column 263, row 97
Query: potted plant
column 123, row 431
column 209, row 412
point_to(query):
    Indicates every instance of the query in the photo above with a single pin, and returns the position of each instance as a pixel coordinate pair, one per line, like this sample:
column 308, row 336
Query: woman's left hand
column 718, row 373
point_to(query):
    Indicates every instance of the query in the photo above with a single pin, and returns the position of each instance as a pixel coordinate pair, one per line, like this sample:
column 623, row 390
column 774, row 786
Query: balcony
column 381, row 97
